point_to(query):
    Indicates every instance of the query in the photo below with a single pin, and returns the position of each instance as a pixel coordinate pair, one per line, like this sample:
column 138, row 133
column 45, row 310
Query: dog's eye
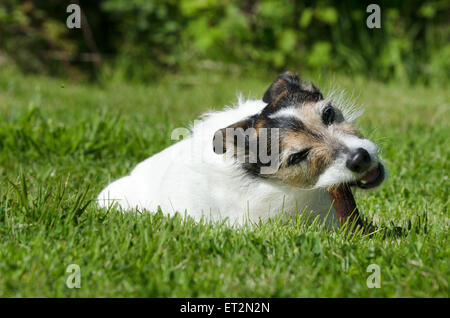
column 328, row 115
column 298, row 157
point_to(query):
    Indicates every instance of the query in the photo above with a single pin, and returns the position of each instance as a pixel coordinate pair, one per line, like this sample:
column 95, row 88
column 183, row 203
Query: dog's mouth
column 372, row 178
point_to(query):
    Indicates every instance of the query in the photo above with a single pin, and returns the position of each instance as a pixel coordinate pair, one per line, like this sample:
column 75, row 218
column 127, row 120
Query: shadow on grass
column 418, row 225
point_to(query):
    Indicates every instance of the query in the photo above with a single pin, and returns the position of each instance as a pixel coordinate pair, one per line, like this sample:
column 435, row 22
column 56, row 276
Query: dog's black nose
column 359, row 160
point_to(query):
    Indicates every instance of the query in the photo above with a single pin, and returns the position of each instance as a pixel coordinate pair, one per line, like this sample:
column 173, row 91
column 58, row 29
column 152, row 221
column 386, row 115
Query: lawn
column 61, row 142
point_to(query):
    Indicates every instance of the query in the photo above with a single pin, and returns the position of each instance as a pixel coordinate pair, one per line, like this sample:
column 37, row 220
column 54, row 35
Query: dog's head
column 304, row 137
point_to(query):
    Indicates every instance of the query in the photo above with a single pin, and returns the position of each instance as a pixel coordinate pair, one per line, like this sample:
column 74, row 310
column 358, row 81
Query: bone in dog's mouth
column 343, row 203
column 342, row 197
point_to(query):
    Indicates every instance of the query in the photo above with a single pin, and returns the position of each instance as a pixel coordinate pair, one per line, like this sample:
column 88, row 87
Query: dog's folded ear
column 236, row 136
column 287, row 81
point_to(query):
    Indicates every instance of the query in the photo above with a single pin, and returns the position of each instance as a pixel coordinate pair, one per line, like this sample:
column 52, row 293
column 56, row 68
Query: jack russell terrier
column 257, row 160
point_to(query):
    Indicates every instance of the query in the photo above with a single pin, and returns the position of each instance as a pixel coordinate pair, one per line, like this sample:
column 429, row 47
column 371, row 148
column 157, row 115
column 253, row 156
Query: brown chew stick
column 344, row 204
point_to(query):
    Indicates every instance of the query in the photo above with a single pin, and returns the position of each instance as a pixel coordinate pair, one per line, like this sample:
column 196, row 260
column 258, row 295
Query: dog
column 257, row 160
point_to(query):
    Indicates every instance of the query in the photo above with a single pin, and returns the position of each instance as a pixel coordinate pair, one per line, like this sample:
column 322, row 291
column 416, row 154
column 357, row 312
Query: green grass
column 61, row 142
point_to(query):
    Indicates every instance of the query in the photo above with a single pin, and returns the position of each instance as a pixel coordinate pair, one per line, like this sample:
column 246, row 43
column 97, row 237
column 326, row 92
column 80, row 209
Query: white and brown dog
column 275, row 156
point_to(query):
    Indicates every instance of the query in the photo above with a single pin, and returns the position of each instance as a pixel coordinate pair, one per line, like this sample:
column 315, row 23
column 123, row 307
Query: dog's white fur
column 188, row 177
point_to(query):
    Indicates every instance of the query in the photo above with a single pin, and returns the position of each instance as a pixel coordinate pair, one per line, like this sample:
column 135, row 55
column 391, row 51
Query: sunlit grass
column 60, row 143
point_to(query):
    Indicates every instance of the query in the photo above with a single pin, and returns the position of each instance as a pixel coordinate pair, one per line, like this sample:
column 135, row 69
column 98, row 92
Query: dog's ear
column 235, row 136
column 287, row 81
column 290, row 82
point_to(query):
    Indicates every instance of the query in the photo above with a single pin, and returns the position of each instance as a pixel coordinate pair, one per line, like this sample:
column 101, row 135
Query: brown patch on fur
column 319, row 157
column 277, row 99
column 292, row 139
column 349, row 129
column 309, row 115
column 322, row 155
column 260, row 123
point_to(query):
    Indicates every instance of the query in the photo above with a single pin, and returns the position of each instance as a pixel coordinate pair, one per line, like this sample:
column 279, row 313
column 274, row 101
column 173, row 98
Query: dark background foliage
column 142, row 39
